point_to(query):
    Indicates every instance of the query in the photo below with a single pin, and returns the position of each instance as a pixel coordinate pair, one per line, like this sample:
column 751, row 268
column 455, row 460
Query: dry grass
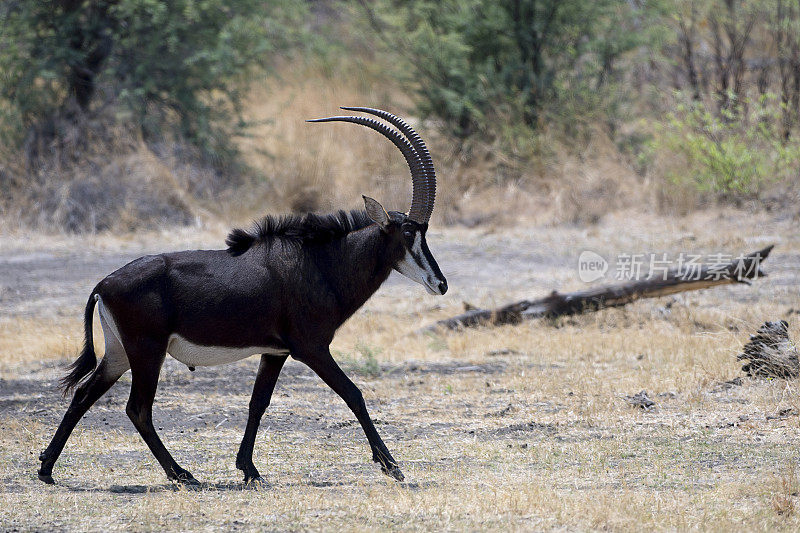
column 23, row 340
column 108, row 178
column 329, row 166
column 310, row 167
column 514, row 428
column 97, row 175
column 121, row 184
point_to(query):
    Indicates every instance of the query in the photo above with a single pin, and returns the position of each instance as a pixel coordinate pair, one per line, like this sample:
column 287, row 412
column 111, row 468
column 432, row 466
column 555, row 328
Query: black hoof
column 47, row 478
column 186, row 479
column 251, row 475
column 394, row 472
column 255, row 482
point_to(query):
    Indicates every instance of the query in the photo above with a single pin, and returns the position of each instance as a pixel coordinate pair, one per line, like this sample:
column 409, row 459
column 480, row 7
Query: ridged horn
column 412, row 159
column 424, row 186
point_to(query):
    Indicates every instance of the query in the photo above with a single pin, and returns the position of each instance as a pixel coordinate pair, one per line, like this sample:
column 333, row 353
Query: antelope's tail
column 86, row 361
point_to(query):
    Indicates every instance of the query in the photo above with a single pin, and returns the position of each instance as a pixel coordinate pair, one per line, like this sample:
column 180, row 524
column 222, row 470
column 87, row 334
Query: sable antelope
column 280, row 289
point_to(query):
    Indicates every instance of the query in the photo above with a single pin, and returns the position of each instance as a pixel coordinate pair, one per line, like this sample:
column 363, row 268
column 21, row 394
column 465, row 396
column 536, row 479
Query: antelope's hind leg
column 147, row 355
column 268, row 372
column 113, row 365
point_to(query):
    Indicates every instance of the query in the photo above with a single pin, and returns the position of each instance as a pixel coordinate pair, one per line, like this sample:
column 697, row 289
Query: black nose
column 442, row 287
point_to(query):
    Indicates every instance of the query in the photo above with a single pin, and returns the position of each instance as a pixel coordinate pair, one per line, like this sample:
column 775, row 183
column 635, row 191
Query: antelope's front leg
column 323, row 364
column 268, row 372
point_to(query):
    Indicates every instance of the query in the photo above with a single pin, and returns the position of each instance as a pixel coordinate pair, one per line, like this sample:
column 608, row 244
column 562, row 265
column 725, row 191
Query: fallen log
column 740, row 270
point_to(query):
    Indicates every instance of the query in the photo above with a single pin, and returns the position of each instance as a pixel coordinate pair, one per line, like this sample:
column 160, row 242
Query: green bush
column 726, row 152
column 159, row 65
column 521, row 61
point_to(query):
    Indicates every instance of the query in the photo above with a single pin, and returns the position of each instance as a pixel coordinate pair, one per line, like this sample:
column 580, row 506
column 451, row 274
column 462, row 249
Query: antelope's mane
column 309, row 228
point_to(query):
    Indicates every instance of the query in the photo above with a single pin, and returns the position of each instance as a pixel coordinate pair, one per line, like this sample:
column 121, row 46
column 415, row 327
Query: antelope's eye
column 408, row 233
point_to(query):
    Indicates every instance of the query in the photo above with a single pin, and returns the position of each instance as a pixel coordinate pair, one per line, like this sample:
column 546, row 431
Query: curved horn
column 424, row 193
column 419, row 194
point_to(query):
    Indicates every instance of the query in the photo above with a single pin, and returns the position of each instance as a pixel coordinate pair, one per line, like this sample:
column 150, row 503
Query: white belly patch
column 192, row 354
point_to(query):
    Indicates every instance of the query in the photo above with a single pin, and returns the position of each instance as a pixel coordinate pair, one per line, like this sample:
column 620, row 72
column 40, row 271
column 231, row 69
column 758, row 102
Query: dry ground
column 521, row 428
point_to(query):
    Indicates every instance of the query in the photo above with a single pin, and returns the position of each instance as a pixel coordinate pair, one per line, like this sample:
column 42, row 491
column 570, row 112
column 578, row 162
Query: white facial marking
column 192, row 354
column 414, row 265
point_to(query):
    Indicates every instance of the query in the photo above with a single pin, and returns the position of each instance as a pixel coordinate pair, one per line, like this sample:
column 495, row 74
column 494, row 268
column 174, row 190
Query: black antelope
column 280, row 289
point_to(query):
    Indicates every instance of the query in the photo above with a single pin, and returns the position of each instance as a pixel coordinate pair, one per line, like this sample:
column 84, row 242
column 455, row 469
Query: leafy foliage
column 729, row 152
column 155, row 62
column 521, row 60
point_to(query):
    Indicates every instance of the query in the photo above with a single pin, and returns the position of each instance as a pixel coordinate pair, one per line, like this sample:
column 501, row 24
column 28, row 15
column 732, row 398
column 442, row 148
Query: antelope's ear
column 376, row 212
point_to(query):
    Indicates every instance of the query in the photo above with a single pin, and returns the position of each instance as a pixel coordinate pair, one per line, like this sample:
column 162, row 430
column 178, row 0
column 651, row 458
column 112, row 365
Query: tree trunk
column 740, row 270
column 91, row 42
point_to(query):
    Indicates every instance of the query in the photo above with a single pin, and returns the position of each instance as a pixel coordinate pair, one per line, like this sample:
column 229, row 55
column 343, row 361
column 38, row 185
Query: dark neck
column 362, row 261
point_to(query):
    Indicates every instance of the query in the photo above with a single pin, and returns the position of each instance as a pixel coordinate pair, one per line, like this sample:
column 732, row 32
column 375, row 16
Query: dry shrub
column 558, row 185
column 90, row 173
column 784, row 492
column 329, row 166
column 107, row 178
column 321, row 166
column 593, row 183
column 132, row 190
column 783, row 504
